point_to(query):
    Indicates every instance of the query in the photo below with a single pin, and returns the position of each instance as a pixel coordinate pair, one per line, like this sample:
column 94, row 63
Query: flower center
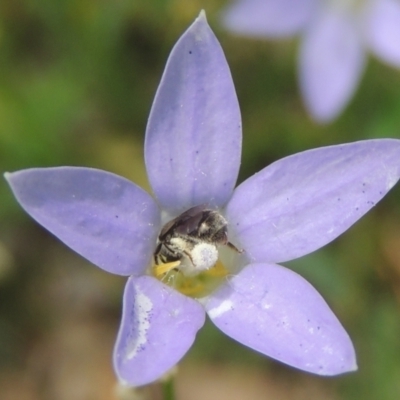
column 187, row 251
column 196, row 286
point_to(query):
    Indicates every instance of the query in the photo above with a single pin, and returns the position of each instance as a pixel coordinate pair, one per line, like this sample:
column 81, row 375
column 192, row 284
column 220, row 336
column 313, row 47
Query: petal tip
column 12, row 179
column 202, row 16
column 353, row 366
column 344, row 362
column 200, row 26
column 7, row 176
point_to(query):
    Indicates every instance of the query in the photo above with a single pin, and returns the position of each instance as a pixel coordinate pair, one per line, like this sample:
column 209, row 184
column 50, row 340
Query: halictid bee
column 190, row 241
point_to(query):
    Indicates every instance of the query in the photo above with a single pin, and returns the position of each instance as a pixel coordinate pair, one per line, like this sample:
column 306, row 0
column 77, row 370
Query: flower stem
column 168, row 389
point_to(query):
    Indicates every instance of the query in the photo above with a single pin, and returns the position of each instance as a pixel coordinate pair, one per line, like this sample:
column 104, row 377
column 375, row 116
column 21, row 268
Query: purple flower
column 287, row 210
column 335, row 37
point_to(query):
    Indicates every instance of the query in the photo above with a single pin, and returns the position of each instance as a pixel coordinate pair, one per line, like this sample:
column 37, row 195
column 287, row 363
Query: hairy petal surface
column 193, row 138
column 158, row 327
column 330, row 64
column 271, row 18
column 382, row 29
column 276, row 312
column 103, row 217
column 302, row 202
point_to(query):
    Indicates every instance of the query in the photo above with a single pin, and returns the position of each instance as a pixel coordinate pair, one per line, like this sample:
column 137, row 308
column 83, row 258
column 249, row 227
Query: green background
column 77, row 80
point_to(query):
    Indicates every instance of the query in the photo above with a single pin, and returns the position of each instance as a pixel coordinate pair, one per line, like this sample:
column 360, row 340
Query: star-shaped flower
column 336, row 35
column 192, row 153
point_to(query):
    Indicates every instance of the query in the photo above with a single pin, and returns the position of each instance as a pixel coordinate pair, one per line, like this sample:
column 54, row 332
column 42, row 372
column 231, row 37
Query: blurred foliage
column 77, row 80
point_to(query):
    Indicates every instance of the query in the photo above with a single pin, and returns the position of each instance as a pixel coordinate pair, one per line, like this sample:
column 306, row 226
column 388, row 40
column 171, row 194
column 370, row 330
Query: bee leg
column 189, row 256
column 233, row 247
column 164, row 268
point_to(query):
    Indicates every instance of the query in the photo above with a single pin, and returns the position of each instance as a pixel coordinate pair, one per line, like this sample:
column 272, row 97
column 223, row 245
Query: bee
column 191, row 241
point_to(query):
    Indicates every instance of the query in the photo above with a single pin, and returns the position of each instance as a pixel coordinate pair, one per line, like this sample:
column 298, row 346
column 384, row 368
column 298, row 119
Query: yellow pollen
column 218, row 270
column 164, row 268
column 190, row 288
column 194, row 286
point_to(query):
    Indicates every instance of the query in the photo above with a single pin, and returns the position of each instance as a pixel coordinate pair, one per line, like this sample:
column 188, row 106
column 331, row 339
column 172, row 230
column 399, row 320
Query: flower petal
column 158, row 327
column 330, row 64
column 271, row 18
column 382, row 29
column 276, row 312
column 103, row 217
column 302, row 202
column 193, row 138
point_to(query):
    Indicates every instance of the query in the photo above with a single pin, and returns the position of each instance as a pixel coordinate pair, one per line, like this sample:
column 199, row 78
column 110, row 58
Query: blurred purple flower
column 335, row 37
column 287, row 210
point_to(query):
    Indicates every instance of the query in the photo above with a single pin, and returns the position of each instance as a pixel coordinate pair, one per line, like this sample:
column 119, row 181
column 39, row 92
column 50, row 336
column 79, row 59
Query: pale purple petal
column 331, row 63
column 269, row 18
column 103, row 217
column 382, row 29
column 193, row 138
column 302, row 202
column 158, row 327
column 276, row 312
